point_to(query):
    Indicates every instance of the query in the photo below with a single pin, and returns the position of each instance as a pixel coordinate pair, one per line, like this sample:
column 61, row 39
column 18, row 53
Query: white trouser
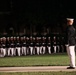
column 31, row 50
column 3, row 52
column 71, row 54
column 18, row 50
column 49, row 49
column 24, row 50
column 55, row 48
column 10, row 50
column 38, row 49
column 42, row 49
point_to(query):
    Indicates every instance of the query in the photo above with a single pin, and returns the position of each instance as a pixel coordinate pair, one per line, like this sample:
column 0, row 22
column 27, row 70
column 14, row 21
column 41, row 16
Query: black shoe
column 70, row 67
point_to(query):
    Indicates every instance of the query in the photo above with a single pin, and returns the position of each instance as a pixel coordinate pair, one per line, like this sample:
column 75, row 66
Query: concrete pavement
column 35, row 69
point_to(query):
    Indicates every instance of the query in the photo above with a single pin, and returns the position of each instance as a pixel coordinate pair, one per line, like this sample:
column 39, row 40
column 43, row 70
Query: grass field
column 35, row 60
column 40, row 73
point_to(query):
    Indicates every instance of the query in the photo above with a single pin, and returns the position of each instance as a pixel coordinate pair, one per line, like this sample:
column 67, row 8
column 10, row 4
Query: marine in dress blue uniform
column 70, row 42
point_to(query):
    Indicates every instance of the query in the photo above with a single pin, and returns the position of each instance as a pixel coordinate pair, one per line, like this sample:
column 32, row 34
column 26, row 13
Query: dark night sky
column 41, row 6
column 54, row 8
column 39, row 9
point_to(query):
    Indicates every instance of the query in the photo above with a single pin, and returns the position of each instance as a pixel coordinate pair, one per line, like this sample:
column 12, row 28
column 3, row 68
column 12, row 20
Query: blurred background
column 31, row 17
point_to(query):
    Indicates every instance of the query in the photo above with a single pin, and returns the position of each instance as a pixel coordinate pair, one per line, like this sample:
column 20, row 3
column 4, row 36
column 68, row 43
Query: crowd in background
column 31, row 45
column 21, row 39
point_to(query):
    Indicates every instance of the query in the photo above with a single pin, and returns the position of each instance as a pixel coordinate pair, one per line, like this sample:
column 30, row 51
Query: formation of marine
column 31, row 45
